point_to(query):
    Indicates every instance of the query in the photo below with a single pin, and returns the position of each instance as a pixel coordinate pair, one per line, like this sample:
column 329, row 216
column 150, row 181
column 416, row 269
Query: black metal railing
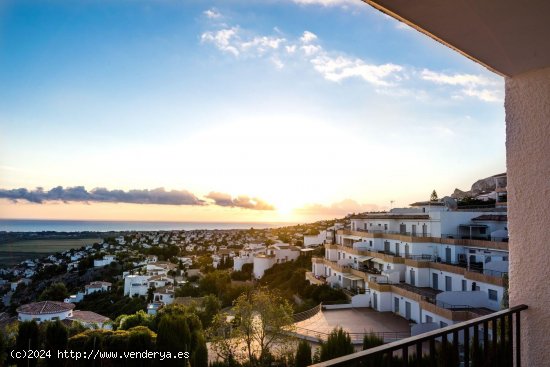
column 492, row 340
column 304, row 315
column 356, row 338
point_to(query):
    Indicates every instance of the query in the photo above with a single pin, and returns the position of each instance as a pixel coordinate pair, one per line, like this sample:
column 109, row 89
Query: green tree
column 211, row 305
column 303, row 354
column 225, row 341
column 3, row 348
column 372, row 340
column 55, row 292
column 140, row 318
column 27, row 338
column 338, row 344
column 264, row 319
column 433, row 196
column 55, row 338
column 215, row 283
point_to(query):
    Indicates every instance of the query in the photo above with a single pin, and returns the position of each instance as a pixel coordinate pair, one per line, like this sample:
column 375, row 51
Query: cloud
column 339, row 209
column 310, row 50
column 339, row 68
column 222, row 39
column 290, row 49
column 327, row 3
column 80, row 194
column 232, row 40
column 242, row 201
column 390, row 79
column 481, row 87
column 157, row 196
column 308, row 37
column 212, row 13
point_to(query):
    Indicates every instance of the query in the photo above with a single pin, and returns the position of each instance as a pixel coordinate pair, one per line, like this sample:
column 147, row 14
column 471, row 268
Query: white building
column 315, row 240
column 45, row 311
column 246, row 255
column 427, row 263
column 98, row 286
column 155, row 276
column 274, row 254
column 107, row 259
column 136, row 285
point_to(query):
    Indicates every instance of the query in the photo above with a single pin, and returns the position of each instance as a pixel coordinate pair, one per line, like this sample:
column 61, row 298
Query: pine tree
column 338, row 344
column 434, row 196
column 303, row 354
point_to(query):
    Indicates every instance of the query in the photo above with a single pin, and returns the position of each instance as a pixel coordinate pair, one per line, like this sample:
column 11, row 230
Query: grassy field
column 13, row 253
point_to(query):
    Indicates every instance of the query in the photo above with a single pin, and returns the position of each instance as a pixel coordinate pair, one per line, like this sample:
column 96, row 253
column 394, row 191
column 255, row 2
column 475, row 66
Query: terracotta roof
column 88, row 316
column 45, row 307
column 492, row 217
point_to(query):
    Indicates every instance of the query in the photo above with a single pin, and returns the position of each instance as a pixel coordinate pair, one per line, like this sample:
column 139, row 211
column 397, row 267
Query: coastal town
column 404, row 271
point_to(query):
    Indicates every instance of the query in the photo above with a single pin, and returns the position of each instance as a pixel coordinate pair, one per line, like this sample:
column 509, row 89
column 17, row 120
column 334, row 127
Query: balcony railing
column 492, row 340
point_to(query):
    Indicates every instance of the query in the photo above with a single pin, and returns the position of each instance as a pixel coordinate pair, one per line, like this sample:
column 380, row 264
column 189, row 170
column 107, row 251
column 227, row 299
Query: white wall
column 40, row 318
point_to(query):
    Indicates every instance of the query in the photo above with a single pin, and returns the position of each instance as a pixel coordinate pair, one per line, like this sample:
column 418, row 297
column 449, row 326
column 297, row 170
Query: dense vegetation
column 174, row 329
column 289, row 279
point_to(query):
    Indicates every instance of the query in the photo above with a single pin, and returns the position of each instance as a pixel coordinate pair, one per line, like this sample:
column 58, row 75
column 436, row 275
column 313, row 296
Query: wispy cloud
column 339, row 68
column 158, row 196
column 222, row 39
column 212, row 13
column 308, row 37
column 390, row 79
column 471, row 85
column 233, row 41
column 242, row 201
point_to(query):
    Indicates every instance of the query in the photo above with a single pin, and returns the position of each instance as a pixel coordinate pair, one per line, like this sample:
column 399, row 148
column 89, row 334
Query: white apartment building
column 315, row 240
column 246, row 255
column 274, row 254
column 156, row 275
column 426, row 263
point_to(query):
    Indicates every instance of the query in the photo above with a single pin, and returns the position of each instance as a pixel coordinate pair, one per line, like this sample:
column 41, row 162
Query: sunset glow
column 258, row 112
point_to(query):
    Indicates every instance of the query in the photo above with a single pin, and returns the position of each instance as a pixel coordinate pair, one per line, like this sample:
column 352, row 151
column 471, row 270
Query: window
column 482, row 230
column 370, row 243
column 339, row 277
column 448, row 283
column 493, row 296
column 385, row 227
column 464, row 285
column 429, row 319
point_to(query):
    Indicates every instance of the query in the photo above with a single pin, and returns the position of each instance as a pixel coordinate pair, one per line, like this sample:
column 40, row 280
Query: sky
column 289, row 110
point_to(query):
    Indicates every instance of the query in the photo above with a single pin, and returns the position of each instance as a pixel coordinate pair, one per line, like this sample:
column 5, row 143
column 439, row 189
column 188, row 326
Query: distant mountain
column 483, row 186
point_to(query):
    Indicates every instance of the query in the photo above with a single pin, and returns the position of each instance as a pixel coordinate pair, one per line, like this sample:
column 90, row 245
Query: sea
column 42, row 225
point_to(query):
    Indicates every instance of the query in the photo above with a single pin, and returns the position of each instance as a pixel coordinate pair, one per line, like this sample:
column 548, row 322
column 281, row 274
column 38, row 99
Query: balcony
column 315, row 280
column 491, row 340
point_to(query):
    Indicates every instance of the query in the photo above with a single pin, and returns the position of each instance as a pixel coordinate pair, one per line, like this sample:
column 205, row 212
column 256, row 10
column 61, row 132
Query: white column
column 527, row 106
